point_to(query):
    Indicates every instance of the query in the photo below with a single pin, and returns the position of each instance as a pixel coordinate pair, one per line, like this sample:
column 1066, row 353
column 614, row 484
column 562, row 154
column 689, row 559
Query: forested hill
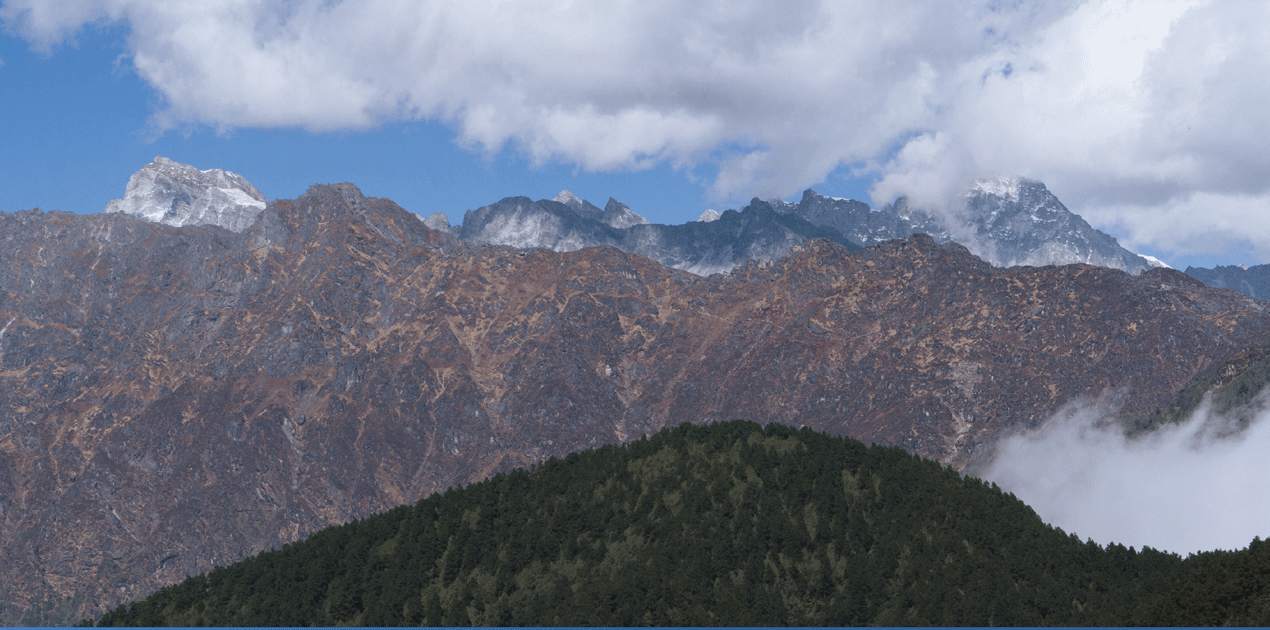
column 731, row 523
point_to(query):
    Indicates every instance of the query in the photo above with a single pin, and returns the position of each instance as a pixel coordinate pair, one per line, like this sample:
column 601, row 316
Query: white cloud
column 1132, row 111
column 1188, row 488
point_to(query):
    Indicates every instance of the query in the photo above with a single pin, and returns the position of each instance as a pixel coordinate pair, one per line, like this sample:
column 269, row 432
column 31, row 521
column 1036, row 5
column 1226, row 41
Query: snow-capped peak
column 708, row 216
column 1155, row 262
column 567, row 198
column 178, row 194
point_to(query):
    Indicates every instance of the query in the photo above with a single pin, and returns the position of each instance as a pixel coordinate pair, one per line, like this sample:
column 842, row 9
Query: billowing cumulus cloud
column 1144, row 116
column 1193, row 487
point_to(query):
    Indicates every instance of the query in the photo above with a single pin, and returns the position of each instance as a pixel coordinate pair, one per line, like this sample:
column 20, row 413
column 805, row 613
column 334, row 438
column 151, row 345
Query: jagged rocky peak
column 620, row 216
column 1019, row 221
column 439, row 222
column 615, row 213
column 583, row 208
column 165, row 191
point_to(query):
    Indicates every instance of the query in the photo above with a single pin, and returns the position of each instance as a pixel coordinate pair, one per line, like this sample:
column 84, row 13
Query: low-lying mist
column 1196, row 486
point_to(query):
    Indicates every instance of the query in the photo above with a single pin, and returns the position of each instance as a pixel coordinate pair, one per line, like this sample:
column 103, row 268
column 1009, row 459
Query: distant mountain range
column 1254, row 281
column 566, row 224
column 1006, row 222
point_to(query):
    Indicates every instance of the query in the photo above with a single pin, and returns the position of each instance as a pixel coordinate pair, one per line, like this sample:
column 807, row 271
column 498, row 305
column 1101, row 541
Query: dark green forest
column 726, row 524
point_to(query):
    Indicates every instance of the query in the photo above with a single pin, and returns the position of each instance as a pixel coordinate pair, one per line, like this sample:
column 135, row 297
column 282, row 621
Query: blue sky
column 77, row 123
column 1147, row 118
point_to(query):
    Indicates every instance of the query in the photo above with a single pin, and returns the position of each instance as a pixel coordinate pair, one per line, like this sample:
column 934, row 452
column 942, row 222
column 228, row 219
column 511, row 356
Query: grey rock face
column 568, row 224
column 1007, row 222
column 1020, row 222
column 550, row 224
column 618, row 215
column 615, row 213
column 172, row 193
column 439, row 222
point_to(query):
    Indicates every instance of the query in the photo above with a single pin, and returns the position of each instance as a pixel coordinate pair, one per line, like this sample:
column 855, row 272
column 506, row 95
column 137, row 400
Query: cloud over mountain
column 1145, row 116
column 1186, row 488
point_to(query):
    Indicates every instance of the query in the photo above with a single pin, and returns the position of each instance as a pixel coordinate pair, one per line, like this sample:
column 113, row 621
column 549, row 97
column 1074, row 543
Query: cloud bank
column 1195, row 487
column 1147, row 117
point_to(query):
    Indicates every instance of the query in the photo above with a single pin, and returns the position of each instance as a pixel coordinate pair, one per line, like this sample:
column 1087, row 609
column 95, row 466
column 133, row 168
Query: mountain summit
column 172, row 193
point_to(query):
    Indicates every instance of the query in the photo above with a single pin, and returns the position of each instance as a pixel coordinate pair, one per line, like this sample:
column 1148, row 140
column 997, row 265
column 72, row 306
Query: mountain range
column 1006, row 222
column 176, row 398
column 566, row 224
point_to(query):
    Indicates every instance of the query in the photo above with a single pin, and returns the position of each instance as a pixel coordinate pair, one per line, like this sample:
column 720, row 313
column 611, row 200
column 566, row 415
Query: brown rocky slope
column 174, row 398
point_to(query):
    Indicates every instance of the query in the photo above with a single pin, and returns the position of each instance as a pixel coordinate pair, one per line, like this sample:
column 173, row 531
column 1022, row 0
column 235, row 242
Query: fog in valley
column 1186, row 488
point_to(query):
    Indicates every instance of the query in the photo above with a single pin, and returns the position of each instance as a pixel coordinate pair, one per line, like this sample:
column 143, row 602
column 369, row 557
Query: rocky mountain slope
column 567, row 224
column 178, row 194
column 173, row 398
column 1006, row 222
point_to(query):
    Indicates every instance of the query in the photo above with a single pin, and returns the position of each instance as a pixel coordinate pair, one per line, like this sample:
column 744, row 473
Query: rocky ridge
column 1007, row 222
column 1253, row 281
column 567, row 224
column 175, row 398
column 178, row 194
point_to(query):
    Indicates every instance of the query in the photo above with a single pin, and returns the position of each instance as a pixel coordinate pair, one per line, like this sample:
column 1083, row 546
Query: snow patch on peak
column 567, row 198
column 1153, row 262
column 708, row 216
column 1005, row 187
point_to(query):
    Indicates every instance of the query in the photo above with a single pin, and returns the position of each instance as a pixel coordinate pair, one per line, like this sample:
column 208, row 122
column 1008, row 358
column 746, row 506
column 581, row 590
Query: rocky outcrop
column 175, row 398
column 177, row 194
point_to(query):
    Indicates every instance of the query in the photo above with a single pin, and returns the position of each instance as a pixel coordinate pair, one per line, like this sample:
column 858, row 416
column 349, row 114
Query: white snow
column 241, row 198
column 1155, row 262
column 567, row 198
column 708, row 216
